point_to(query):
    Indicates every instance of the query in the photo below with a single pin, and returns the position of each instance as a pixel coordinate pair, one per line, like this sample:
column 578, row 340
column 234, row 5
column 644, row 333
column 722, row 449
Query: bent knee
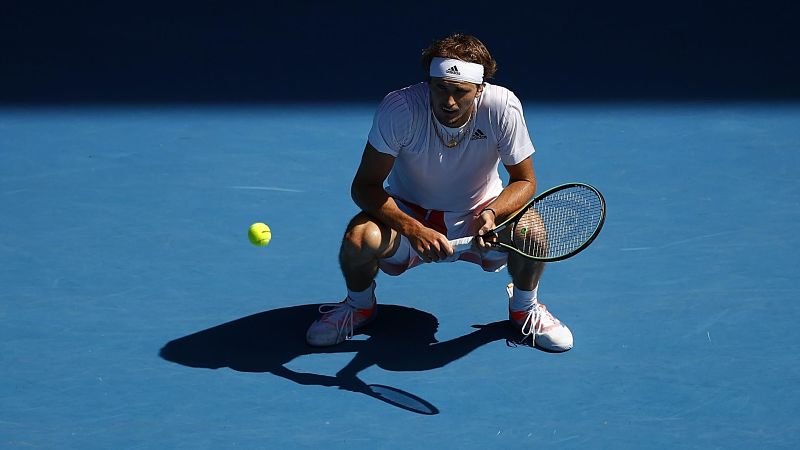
column 364, row 236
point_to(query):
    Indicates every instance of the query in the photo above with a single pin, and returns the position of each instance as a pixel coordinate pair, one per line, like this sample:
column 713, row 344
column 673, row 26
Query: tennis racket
column 555, row 225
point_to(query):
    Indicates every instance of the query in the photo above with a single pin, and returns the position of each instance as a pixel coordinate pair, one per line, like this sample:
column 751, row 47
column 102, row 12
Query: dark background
column 182, row 51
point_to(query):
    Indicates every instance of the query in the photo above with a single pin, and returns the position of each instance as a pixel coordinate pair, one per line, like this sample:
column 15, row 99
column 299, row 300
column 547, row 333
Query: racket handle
column 461, row 245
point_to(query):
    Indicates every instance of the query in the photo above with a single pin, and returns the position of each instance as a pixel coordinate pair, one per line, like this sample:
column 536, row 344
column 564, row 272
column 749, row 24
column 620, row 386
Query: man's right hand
column 431, row 245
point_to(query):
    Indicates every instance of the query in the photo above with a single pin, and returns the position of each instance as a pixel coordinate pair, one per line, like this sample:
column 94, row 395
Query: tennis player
column 429, row 173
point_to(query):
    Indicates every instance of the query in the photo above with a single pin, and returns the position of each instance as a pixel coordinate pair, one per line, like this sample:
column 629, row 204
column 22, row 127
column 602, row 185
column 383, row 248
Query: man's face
column 452, row 101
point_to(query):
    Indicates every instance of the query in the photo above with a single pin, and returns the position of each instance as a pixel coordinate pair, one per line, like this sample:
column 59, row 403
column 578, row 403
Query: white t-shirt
column 435, row 177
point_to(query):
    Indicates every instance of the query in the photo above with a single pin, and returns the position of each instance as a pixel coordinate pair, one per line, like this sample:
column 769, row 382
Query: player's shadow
column 400, row 339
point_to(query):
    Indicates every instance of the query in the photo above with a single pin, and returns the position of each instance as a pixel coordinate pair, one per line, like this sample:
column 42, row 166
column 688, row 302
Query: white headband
column 456, row 70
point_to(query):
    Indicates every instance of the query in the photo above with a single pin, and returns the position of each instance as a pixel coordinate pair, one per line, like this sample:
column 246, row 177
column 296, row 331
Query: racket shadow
column 401, row 339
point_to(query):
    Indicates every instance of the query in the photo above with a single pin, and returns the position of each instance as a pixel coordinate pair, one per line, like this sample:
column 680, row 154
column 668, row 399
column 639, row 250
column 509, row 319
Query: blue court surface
column 135, row 314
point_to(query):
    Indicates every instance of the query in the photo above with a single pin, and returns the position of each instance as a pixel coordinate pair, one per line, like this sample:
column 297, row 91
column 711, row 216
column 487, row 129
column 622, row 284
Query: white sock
column 362, row 299
column 522, row 300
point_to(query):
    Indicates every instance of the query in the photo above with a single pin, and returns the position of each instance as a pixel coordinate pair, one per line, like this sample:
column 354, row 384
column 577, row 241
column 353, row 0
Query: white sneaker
column 338, row 322
column 548, row 332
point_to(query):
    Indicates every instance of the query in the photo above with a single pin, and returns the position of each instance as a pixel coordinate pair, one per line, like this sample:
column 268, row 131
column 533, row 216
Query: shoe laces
column 534, row 320
column 339, row 314
column 533, row 323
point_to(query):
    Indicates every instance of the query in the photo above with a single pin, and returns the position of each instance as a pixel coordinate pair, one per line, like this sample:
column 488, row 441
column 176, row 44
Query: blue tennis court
column 135, row 314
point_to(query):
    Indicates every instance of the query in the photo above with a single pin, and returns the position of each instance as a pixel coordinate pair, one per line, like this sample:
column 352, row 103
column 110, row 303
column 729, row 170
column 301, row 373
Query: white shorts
column 451, row 224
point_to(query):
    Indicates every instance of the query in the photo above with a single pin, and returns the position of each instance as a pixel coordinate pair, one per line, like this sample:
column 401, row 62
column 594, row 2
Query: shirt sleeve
column 391, row 125
column 514, row 142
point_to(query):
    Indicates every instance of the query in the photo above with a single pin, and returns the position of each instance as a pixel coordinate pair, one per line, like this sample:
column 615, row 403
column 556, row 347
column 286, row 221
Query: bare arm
column 368, row 193
column 520, row 189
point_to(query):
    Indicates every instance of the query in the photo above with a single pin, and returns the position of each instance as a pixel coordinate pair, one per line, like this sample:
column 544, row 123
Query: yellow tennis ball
column 259, row 234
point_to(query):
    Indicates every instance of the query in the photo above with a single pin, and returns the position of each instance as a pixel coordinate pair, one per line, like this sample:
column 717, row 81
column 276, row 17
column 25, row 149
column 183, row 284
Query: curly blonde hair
column 462, row 47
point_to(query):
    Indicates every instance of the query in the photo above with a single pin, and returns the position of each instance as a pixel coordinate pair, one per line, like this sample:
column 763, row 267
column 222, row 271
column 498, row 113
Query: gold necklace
column 453, row 141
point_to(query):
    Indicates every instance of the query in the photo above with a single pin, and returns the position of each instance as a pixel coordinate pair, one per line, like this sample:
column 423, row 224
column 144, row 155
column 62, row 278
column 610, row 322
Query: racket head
column 402, row 399
column 558, row 224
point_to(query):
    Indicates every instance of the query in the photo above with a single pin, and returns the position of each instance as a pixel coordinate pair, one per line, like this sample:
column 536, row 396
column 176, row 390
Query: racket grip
column 461, row 245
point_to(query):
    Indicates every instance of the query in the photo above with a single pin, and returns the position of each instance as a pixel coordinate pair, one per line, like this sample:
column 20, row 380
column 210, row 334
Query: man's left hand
column 484, row 236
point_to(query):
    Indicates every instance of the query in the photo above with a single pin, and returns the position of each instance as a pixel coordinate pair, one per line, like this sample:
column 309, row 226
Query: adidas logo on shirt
column 453, row 71
column 478, row 134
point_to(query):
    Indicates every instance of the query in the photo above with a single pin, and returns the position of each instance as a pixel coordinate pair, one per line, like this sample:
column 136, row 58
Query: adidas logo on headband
column 456, row 70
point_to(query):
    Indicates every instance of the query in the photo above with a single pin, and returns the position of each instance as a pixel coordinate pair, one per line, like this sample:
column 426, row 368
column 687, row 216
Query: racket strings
column 559, row 223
